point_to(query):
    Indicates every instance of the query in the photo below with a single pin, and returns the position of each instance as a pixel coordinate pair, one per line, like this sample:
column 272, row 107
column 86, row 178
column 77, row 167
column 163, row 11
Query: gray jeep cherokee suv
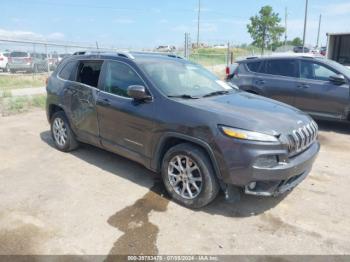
column 178, row 119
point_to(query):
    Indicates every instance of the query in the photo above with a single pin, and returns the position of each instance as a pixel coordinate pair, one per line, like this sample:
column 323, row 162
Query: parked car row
column 29, row 62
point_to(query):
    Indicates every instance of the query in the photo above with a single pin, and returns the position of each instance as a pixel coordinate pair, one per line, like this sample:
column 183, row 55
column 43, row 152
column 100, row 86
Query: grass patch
column 218, row 56
column 14, row 81
column 16, row 105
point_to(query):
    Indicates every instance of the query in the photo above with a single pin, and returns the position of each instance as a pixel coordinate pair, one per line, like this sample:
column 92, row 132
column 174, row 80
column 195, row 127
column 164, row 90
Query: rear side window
column 67, row 72
column 254, row 66
column 89, row 72
column 282, row 67
column 118, row 77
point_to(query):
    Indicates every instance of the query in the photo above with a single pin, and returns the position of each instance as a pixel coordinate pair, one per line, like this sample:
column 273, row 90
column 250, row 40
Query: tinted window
column 19, row 54
column 89, row 72
column 254, row 66
column 67, row 73
column 118, row 77
column 315, row 71
column 281, row 67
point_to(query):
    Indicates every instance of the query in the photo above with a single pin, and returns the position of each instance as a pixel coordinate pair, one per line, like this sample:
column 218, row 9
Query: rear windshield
column 19, row 54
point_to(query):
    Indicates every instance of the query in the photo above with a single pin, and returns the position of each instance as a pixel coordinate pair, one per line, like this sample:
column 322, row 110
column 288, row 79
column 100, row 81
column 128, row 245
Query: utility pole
column 319, row 30
column 305, row 23
column 198, row 22
column 286, row 25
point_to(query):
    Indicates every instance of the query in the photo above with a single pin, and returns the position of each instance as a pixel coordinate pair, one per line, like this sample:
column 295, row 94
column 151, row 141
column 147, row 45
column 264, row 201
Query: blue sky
column 146, row 24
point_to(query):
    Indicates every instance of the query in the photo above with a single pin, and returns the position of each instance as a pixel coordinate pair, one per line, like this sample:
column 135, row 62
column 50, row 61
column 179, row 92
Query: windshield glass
column 339, row 67
column 19, row 54
column 175, row 78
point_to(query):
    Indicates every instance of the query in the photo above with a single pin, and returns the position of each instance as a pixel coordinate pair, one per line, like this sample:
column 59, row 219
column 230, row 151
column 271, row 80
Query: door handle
column 104, row 102
column 303, row 86
column 260, row 82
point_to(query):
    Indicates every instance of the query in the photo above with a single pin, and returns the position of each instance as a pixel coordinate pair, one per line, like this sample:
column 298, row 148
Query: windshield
column 339, row 67
column 19, row 54
column 175, row 78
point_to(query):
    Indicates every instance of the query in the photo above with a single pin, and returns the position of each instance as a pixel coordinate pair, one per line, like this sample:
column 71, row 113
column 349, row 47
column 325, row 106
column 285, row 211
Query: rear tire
column 187, row 168
column 62, row 133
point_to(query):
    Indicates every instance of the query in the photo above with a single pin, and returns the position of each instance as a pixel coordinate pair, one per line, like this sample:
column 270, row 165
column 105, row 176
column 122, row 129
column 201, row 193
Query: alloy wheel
column 185, row 176
column 60, row 131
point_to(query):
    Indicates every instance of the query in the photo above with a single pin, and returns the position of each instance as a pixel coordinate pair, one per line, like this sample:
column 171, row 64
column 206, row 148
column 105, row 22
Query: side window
column 310, row 70
column 67, row 72
column 254, row 66
column 89, row 72
column 118, row 77
column 282, row 67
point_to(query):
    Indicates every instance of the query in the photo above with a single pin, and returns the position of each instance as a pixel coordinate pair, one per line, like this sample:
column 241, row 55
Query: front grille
column 301, row 138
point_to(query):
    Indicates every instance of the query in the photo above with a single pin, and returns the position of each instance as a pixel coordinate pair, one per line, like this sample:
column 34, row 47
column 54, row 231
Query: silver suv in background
column 29, row 62
column 4, row 61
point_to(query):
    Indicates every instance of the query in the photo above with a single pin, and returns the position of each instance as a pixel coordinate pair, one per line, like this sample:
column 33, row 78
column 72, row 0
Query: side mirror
column 138, row 92
column 337, row 79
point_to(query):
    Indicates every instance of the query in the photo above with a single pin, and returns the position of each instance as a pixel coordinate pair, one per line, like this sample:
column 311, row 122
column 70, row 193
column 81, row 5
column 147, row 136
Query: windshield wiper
column 216, row 93
column 184, row 96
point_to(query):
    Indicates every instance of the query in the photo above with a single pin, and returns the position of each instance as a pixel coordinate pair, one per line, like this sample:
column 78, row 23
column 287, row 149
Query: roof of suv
column 129, row 54
column 281, row 55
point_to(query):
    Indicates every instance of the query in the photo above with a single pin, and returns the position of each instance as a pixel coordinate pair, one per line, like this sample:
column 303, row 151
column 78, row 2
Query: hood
column 252, row 112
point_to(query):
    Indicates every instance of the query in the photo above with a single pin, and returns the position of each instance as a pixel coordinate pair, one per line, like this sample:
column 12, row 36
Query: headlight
column 247, row 135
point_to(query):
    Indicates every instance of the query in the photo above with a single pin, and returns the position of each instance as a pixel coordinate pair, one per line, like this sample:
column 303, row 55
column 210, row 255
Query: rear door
column 244, row 74
column 125, row 124
column 277, row 79
column 80, row 96
column 316, row 94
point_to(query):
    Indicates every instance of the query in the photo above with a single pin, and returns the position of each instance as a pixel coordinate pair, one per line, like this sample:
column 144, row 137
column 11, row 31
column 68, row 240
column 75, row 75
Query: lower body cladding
column 266, row 170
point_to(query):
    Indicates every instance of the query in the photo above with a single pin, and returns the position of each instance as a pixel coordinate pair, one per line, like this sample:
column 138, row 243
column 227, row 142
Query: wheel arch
column 52, row 109
column 171, row 139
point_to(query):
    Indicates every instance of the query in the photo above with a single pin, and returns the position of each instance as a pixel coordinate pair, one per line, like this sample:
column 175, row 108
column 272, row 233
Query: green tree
column 297, row 42
column 265, row 28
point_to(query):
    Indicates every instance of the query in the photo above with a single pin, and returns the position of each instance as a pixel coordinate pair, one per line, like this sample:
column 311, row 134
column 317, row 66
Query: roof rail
column 125, row 54
column 157, row 53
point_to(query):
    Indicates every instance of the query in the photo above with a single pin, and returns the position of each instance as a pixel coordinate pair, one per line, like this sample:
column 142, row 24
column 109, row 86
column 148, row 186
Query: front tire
column 62, row 134
column 188, row 176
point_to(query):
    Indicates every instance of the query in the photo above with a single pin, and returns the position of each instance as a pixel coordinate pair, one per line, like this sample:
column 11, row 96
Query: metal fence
column 35, row 60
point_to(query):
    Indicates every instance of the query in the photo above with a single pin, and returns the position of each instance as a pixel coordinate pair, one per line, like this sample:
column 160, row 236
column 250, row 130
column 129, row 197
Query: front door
column 125, row 124
column 319, row 96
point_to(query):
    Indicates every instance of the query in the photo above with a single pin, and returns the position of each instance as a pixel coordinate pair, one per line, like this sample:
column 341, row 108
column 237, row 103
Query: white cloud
column 336, row 9
column 163, row 21
column 208, row 27
column 56, row 36
column 123, row 20
column 181, row 28
column 29, row 35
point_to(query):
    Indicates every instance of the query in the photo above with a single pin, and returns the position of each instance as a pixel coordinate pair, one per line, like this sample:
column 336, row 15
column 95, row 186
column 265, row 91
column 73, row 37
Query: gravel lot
column 94, row 202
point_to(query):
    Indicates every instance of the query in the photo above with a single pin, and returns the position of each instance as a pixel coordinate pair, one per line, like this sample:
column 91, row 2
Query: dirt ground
column 94, row 202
